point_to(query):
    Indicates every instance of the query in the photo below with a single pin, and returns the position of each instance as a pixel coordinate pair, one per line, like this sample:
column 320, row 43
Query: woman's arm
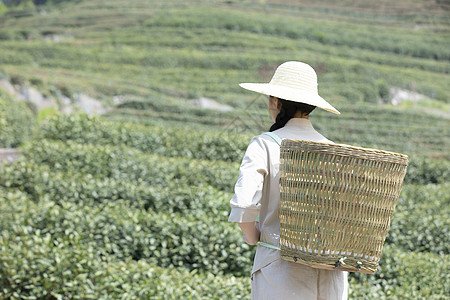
column 251, row 232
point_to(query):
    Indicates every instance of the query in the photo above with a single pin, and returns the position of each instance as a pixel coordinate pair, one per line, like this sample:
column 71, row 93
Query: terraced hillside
column 134, row 204
column 156, row 57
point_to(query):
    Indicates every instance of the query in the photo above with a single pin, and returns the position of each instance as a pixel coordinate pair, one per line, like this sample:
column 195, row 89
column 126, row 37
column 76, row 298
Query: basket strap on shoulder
column 275, row 137
column 268, row 245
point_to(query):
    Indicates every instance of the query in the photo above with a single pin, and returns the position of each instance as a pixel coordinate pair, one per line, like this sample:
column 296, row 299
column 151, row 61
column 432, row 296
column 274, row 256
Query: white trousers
column 285, row 280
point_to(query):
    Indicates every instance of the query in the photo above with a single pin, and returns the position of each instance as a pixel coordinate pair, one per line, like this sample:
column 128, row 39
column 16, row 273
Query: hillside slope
column 134, row 204
column 203, row 48
column 163, row 53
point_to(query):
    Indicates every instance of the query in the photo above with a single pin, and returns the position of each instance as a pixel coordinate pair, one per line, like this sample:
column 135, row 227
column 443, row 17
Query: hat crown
column 297, row 75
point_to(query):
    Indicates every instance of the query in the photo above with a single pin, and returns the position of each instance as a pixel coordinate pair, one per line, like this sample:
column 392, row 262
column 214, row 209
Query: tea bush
column 404, row 275
column 16, row 122
column 126, row 163
column 421, row 221
column 52, row 250
column 36, row 264
column 98, row 196
column 183, row 240
column 360, row 36
column 425, row 170
column 123, row 163
column 39, row 182
column 217, row 144
column 94, row 175
column 167, row 141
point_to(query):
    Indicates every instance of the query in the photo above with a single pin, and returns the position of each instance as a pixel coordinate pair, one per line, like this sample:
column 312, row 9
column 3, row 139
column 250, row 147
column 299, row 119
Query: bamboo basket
column 336, row 203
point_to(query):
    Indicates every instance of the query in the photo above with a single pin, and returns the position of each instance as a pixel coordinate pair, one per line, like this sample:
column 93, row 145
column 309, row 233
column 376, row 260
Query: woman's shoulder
column 263, row 142
column 271, row 137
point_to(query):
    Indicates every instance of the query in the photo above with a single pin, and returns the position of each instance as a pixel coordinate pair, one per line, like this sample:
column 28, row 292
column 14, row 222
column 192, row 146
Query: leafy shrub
column 16, row 122
column 419, row 224
column 9, row 35
column 123, row 163
column 174, row 142
column 360, row 36
column 157, row 140
column 404, row 275
column 426, row 170
column 36, row 264
column 113, row 229
column 421, row 220
column 53, row 250
column 36, row 181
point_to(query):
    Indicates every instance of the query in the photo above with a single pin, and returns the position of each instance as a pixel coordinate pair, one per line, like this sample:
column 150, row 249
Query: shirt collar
column 299, row 122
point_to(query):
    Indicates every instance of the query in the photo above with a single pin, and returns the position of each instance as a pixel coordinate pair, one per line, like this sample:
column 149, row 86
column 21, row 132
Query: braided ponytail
column 287, row 112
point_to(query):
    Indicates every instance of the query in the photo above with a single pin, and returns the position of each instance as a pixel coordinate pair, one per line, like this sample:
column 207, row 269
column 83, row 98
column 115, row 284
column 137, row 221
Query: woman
column 293, row 95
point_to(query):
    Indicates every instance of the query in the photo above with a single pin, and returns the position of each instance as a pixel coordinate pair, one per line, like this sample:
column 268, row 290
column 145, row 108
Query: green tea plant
column 16, row 122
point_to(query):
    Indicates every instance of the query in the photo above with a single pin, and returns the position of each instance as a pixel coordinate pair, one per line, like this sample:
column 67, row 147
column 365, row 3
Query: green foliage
column 21, row 3
column 61, row 259
column 404, row 275
column 330, row 33
column 421, row 220
column 46, row 113
column 165, row 49
column 156, row 140
column 113, row 204
column 47, row 2
column 123, row 163
column 228, row 146
column 115, row 230
column 95, row 174
column 170, row 197
column 426, row 170
column 38, row 264
column 3, row 9
column 16, row 122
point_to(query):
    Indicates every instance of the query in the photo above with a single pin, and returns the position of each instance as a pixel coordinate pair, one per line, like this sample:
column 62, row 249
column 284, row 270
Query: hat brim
column 290, row 94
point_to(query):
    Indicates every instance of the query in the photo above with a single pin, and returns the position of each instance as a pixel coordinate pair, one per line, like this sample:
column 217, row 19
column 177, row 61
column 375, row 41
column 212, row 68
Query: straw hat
column 294, row 81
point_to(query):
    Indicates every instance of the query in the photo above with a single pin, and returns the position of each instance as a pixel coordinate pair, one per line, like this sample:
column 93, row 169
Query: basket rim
column 344, row 146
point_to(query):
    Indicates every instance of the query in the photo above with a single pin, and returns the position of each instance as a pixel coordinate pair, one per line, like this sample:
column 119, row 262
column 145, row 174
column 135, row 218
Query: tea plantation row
column 43, row 264
column 114, row 204
column 218, row 145
column 165, row 141
column 123, row 163
column 92, row 175
column 54, row 248
column 40, row 181
column 413, row 132
column 204, row 49
column 114, row 229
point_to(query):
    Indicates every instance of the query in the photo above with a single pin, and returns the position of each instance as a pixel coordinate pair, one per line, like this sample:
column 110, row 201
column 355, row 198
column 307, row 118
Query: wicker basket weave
column 336, row 203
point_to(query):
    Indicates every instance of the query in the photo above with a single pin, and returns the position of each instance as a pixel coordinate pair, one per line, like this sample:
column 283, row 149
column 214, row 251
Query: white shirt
column 257, row 189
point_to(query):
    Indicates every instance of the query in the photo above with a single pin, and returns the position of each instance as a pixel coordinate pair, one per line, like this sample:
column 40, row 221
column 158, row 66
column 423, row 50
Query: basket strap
column 268, row 245
column 275, row 137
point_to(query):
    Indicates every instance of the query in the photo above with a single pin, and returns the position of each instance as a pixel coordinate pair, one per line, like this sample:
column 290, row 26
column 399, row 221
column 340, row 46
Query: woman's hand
column 251, row 232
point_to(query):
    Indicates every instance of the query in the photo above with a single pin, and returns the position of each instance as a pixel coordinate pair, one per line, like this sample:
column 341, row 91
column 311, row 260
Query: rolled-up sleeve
column 245, row 204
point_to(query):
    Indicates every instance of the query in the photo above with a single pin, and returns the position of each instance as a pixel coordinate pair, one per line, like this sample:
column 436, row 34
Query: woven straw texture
column 336, row 203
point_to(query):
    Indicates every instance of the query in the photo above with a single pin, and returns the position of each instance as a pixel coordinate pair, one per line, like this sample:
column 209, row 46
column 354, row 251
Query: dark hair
column 287, row 112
